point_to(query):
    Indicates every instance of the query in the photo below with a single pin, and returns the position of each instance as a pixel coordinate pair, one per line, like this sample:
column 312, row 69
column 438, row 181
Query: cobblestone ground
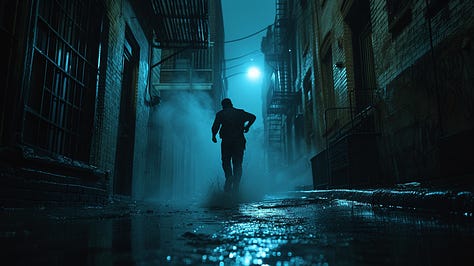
column 279, row 230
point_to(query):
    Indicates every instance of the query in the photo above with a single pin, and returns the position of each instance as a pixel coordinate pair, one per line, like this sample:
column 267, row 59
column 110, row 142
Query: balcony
column 185, row 79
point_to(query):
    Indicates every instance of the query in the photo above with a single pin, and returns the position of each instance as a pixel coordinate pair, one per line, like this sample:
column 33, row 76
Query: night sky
column 243, row 18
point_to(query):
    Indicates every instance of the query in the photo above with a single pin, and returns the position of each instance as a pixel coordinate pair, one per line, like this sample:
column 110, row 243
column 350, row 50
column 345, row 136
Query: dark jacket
column 230, row 123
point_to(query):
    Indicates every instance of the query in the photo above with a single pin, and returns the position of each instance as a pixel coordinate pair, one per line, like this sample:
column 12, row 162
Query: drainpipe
column 433, row 58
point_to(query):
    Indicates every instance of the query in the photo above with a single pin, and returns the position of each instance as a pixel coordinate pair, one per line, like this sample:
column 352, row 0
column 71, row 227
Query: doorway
column 358, row 19
column 126, row 126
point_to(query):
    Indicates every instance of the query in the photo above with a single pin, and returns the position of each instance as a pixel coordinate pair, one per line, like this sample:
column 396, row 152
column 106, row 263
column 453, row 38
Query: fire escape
column 181, row 23
column 281, row 97
column 182, row 45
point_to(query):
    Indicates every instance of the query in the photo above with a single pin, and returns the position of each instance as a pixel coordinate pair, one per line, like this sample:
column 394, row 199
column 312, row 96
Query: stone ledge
column 461, row 202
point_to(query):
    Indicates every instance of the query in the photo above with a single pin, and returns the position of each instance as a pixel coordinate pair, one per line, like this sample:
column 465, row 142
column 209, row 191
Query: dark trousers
column 232, row 151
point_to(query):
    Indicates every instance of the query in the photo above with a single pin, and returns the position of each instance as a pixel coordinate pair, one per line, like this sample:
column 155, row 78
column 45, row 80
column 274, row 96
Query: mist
column 186, row 164
column 185, row 161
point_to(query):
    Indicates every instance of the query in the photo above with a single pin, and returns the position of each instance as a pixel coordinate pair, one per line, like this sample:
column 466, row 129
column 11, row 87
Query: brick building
column 386, row 89
column 76, row 93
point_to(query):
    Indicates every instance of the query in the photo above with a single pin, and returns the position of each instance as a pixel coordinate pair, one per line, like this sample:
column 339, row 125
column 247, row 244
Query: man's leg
column 226, row 155
column 237, row 158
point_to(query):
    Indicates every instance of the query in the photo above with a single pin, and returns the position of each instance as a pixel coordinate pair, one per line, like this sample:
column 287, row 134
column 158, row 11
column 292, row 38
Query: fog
column 186, row 164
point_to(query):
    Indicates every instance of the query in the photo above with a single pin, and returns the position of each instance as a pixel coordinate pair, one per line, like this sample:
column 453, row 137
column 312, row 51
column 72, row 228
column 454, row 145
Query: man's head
column 226, row 103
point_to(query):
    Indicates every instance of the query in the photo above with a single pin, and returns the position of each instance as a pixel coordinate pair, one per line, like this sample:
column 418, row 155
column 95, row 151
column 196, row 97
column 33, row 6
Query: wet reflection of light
column 254, row 241
column 249, row 243
column 394, row 214
column 257, row 233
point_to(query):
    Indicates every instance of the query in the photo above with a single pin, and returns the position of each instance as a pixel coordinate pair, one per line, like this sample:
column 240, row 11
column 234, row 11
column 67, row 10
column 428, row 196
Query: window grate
column 60, row 105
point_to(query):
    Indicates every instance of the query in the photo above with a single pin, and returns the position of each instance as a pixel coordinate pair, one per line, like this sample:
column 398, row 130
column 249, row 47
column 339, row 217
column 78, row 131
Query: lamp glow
column 253, row 73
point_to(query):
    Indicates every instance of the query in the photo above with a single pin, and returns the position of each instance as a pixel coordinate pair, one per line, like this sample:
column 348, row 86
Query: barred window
column 61, row 98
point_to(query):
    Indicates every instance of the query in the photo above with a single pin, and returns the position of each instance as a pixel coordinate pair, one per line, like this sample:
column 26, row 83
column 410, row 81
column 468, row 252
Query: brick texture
column 424, row 100
column 120, row 15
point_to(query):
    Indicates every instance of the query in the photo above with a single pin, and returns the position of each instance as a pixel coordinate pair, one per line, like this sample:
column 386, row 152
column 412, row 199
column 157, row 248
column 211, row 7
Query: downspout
column 433, row 58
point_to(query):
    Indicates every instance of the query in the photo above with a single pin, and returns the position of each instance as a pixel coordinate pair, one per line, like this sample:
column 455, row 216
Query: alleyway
column 366, row 108
column 277, row 230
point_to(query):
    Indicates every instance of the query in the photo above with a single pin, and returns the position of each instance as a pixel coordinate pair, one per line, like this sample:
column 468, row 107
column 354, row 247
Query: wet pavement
column 276, row 230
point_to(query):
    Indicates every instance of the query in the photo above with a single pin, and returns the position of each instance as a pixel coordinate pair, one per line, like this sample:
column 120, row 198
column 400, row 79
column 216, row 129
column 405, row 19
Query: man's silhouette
column 232, row 123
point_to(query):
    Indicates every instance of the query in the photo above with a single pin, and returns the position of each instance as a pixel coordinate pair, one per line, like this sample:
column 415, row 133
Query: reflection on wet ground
column 274, row 231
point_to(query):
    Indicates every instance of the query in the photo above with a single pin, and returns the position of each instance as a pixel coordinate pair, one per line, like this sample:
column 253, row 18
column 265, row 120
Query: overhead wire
column 242, row 56
column 248, row 36
column 240, row 64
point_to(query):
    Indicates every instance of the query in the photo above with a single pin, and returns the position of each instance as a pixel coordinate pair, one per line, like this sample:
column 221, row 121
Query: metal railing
column 186, row 75
column 358, row 122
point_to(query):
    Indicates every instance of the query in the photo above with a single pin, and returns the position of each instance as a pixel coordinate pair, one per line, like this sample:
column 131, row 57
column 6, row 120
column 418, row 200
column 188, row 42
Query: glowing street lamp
column 253, row 73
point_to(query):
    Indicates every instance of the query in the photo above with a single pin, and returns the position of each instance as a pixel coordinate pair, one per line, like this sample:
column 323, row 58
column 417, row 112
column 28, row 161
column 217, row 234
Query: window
column 399, row 15
column 308, row 105
column 434, row 7
column 60, row 104
column 327, row 80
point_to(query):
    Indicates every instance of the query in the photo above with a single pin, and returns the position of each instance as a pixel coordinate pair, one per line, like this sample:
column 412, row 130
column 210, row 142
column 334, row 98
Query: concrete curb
column 461, row 202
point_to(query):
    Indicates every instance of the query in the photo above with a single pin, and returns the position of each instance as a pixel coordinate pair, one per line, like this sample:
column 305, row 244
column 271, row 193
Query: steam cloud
column 187, row 164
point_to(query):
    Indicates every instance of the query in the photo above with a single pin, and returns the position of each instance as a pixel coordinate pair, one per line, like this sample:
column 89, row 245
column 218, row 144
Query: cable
column 234, row 66
column 244, row 55
column 248, row 36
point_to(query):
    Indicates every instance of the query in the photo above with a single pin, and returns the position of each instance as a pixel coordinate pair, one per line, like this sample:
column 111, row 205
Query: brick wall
column 424, row 97
column 120, row 14
column 412, row 90
column 31, row 177
column 343, row 77
column 394, row 54
column 333, row 29
column 304, row 66
column 108, row 100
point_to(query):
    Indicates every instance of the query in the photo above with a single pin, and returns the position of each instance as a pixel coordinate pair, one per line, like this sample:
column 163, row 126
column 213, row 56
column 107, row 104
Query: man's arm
column 250, row 118
column 215, row 128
